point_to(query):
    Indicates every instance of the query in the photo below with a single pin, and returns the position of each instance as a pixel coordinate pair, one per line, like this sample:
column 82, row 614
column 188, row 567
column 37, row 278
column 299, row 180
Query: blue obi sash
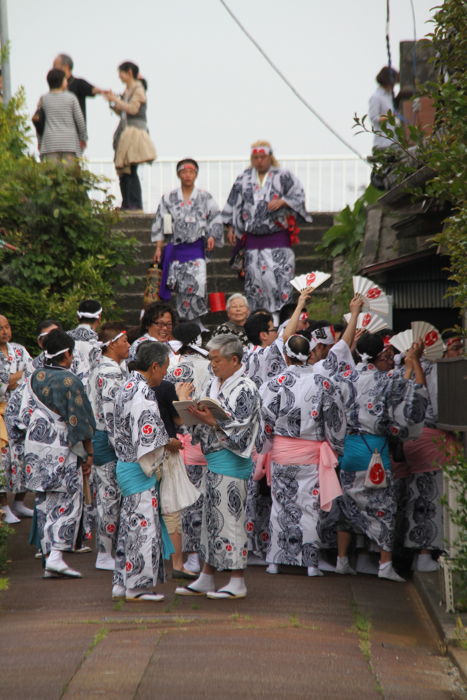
column 358, row 450
column 103, row 450
column 132, row 479
column 229, row 464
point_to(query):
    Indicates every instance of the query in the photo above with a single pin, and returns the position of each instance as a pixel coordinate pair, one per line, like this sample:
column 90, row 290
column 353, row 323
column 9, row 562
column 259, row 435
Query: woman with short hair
column 237, row 310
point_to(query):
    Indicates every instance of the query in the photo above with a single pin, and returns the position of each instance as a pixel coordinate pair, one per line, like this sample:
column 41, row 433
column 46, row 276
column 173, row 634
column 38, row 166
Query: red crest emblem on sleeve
column 281, row 379
column 178, row 372
column 147, row 429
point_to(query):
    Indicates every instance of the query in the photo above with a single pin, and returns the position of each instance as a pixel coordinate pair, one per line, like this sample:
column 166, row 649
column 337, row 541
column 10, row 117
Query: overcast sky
column 210, row 92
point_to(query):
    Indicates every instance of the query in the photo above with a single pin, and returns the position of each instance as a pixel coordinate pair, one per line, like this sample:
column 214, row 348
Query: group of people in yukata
column 301, row 445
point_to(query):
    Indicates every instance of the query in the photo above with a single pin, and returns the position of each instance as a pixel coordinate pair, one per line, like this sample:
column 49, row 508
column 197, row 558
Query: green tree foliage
column 69, row 246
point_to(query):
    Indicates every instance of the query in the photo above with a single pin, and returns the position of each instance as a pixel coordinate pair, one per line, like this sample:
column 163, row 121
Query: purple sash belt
column 278, row 239
column 183, row 252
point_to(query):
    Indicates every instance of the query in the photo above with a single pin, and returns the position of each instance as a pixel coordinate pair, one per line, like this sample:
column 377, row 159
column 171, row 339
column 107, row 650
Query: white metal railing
column 330, row 182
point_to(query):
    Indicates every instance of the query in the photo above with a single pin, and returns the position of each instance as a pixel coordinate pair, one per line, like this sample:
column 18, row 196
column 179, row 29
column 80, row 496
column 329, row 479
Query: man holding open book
column 227, row 440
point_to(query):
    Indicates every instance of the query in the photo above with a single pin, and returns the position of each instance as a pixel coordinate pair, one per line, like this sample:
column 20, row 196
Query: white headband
column 324, row 335
column 88, row 314
column 119, row 335
column 199, row 349
column 298, row 355
column 50, row 356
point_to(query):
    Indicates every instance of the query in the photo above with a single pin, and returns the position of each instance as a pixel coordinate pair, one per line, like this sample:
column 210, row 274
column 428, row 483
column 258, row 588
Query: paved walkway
column 292, row 637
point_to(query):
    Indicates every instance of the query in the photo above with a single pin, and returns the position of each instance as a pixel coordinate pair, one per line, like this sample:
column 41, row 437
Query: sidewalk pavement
column 293, row 636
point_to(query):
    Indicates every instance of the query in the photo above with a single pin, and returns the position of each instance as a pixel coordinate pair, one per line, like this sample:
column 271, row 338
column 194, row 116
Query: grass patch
column 98, row 638
column 362, row 626
column 4, row 584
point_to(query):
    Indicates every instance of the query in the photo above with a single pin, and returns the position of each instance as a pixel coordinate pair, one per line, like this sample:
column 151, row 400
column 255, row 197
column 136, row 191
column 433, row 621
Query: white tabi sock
column 192, row 563
column 236, row 585
column 203, row 584
column 55, row 558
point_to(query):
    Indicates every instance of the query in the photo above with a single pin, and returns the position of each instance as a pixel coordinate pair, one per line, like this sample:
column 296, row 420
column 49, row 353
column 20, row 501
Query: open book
column 188, row 419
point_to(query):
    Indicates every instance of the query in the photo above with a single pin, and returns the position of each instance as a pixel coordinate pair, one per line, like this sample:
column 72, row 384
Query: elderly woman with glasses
column 237, row 314
column 156, row 324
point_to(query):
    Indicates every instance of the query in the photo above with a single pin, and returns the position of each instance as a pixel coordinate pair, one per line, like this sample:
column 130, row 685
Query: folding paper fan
column 369, row 322
column 375, row 298
column 431, row 339
column 402, row 341
column 312, row 279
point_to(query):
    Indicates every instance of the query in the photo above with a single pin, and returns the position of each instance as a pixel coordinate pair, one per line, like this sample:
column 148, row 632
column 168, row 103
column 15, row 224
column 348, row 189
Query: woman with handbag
column 132, row 143
column 380, row 403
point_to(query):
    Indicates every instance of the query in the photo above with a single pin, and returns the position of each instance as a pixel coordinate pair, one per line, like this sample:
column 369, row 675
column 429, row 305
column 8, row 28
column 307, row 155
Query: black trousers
column 130, row 188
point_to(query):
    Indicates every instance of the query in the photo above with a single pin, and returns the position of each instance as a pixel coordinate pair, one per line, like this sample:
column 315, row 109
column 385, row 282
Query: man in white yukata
column 104, row 382
column 261, row 213
column 14, row 362
column 227, row 444
column 87, row 350
column 187, row 223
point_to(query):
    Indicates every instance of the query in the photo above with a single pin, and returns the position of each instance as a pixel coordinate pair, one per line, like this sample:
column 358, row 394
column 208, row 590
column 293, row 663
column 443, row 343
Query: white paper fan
column 375, row 297
column 369, row 322
column 402, row 341
column 312, row 279
column 430, row 337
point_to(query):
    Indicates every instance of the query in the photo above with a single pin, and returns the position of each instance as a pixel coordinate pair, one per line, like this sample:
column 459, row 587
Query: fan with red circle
column 374, row 297
column 368, row 321
column 428, row 334
column 312, row 279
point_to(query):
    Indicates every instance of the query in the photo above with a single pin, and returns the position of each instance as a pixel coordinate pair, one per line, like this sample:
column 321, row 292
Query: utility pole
column 4, row 43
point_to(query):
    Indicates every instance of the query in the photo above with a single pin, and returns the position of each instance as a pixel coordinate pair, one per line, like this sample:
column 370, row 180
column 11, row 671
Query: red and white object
column 374, row 297
column 312, row 279
column 420, row 330
column 369, row 321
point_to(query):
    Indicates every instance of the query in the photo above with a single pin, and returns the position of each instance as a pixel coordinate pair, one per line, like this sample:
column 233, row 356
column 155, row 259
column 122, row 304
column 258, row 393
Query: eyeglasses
column 161, row 324
column 272, row 330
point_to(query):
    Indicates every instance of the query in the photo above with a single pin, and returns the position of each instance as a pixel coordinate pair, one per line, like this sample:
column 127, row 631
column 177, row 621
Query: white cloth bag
column 176, row 490
column 375, row 477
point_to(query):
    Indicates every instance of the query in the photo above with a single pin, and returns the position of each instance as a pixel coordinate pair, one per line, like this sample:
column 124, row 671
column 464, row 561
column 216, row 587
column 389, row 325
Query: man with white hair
column 261, row 213
column 227, row 444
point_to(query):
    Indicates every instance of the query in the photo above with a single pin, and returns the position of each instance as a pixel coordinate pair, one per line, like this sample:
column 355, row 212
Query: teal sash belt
column 229, row 464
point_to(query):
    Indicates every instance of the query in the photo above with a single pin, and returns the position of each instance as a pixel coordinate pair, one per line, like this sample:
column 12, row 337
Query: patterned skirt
column 193, row 515
column 421, row 512
column 138, row 561
column 258, row 513
column 224, row 542
column 267, row 277
column 294, row 515
column 370, row 512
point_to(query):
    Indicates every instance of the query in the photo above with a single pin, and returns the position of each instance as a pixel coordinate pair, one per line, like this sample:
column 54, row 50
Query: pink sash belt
column 298, row 451
column 430, row 451
column 191, row 453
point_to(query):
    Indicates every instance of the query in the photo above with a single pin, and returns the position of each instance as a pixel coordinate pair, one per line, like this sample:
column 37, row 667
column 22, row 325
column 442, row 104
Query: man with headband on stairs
column 87, row 351
column 261, row 213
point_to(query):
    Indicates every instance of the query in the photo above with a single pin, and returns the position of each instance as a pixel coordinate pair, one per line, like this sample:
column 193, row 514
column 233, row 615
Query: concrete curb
column 428, row 587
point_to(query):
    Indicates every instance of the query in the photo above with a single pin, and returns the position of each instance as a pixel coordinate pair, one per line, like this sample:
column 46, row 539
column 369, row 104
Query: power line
column 289, row 84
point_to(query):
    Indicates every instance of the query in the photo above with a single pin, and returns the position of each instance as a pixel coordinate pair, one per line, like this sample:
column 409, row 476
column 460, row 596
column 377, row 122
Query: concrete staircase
column 220, row 276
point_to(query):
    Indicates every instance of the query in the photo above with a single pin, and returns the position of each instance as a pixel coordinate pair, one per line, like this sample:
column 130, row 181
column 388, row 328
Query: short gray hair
column 232, row 298
column 66, row 60
column 149, row 352
column 228, row 345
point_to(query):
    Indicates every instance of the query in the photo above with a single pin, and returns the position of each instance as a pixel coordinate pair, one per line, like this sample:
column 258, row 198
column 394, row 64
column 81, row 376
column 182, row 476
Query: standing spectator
column 78, row 86
column 195, row 226
column 131, row 141
column 64, row 137
column 261, row 212
column 382, row 102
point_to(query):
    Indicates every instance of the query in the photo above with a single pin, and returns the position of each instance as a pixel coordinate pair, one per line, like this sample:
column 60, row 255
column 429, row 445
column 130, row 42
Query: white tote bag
column 176, row 490
column 375, row 477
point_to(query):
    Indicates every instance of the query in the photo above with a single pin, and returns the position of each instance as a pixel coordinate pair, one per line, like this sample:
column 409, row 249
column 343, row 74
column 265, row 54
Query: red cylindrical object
column 217, row 301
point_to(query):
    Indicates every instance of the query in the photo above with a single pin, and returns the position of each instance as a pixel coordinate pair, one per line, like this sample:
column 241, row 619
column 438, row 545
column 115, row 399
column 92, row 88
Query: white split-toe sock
column 386, row 571
column 425, row 563
column 105, row 561
column 134, row 595
column 10, row 517
column 118, row 592
column 313, row 571
column 203, row 584
column 21, row 510
column 343, row 566
column 56, row 564
column 272, row 569
column 235, row 588
column 324, row 565
column 192, row 563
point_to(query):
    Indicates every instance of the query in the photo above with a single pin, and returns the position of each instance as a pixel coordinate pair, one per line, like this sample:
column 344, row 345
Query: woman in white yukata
column 58, row 451
column 193, row 369
column 187, row 223
column 380, row 402
column 304, row 419
column 140, row 438
column 156, row 324
column 227, row 444
column 104, row 382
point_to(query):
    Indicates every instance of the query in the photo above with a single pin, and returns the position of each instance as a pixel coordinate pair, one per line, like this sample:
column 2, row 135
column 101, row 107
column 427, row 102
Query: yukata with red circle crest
column 378, row 405
column 61, row 418
column 193, row 222
column 269, row 258
column 305, row 424
column 138, row 434
column 103, row 383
